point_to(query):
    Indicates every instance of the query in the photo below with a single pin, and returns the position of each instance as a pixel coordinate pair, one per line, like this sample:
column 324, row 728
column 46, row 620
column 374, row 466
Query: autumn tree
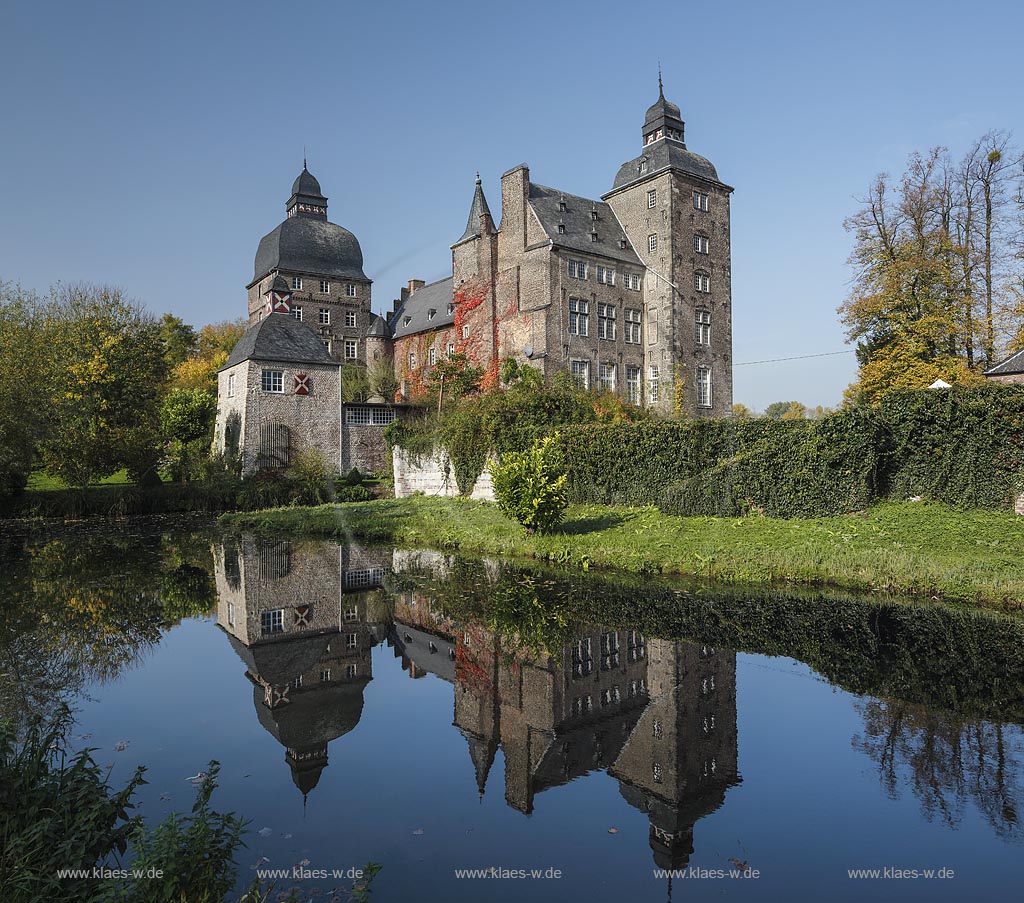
column 933, row 263
column 108, row 368
column 213, row 345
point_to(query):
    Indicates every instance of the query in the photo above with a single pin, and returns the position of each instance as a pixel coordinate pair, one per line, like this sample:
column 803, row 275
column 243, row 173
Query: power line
column 799, row 357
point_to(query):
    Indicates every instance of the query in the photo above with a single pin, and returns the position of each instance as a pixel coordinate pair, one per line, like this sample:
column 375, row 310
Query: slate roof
column 378, row 327
column 579, row 224
column 309, row 244
column 1013, row 364
column 280, row 337
column 477, row 209
column 417, row 307
column 306, row 184
column 662, row 155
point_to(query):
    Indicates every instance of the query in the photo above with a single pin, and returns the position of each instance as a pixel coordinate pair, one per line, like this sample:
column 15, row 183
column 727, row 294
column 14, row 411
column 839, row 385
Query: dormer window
column 431, row 314
column 642, row 168
column 406, row 321
column 561, row 205
column 561, row 228
column 451, row 308
column 593, row 235
column 593, row 214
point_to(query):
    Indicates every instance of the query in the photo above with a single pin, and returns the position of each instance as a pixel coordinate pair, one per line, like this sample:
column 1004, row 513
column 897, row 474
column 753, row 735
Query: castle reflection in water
column 658, row 715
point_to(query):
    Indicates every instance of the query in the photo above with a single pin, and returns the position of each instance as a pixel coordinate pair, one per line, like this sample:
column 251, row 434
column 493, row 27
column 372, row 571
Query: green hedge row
column 964, row 447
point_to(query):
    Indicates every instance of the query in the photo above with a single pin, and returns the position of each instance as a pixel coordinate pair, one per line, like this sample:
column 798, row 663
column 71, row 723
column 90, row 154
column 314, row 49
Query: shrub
column 530, row 486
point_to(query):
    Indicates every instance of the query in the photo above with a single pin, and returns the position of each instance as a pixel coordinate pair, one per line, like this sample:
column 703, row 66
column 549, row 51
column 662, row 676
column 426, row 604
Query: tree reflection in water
column 946, row 760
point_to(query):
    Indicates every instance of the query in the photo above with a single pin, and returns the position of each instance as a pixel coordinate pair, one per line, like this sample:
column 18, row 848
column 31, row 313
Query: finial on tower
column 478, row 177
column 304, row 146
column 661, row 88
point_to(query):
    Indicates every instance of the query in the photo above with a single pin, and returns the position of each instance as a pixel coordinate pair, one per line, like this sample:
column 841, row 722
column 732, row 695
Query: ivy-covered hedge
column 962, row 446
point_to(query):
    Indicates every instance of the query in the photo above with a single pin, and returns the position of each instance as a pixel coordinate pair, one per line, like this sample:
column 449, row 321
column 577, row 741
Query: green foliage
column 355, row 386
column 180, row 340
column 776, row 409
column 962, row 446
column 530, row 486
column 187, row 414
column 460, row 378
column 57, row 811
column 108, row 365
column 195, row 853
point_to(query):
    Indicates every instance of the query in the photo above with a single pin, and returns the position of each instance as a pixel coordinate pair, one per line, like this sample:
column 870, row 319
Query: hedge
column 961, row 446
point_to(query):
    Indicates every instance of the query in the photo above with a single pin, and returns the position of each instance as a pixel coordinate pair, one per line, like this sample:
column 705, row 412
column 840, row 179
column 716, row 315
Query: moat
column 576, row 736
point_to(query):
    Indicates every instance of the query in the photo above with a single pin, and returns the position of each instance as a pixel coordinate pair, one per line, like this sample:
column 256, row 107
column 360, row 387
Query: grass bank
column 913, row 547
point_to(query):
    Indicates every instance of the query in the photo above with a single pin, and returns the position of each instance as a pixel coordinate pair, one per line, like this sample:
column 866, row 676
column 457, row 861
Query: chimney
column 415, row 284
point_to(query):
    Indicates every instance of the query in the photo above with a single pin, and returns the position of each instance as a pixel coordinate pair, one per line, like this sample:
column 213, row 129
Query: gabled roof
column 580, row 225
column 280, row 337
column 1013, row 364
column 415, row 314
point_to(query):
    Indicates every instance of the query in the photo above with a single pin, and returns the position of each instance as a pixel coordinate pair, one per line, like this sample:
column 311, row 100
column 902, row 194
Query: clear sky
column 151, row 145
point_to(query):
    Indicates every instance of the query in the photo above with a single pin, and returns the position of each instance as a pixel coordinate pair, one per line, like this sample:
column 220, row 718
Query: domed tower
column 676, row 214
column 322, row 264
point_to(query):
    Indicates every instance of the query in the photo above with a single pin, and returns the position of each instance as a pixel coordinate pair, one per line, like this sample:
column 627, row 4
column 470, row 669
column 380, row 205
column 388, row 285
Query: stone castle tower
column 675, row 211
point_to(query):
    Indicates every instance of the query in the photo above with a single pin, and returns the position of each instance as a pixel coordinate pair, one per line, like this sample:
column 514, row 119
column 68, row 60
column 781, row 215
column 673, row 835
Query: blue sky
column 150, row 146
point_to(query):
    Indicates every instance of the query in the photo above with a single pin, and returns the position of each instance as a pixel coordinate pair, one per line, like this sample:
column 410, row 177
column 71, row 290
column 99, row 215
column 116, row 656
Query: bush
column 530, row 486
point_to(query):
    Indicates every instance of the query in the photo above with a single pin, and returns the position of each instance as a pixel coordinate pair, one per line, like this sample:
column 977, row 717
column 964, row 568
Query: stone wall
column 434, row 475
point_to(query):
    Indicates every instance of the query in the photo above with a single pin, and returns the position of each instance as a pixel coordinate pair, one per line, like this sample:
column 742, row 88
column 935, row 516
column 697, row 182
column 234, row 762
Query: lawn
column 910, row 547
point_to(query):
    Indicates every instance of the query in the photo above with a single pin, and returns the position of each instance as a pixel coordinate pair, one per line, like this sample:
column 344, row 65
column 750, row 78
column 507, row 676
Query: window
column 350, row 319
column 636, row 646
column 642, row 168
column 708, row 724
column 700, row 200
column 582, row 660
column 561, row 228
column 704, row 387
column 633, row 282
column 638, row 687
column 272, row 621
column 606, row 321
column 296, row 683
column 325, row 674
column 607, row 376
column 358, row 416
column 606, row 275
column 351, row 613
column 273, row 380
column 327, row 344
column 652, row 384
column 633, row 385
column 451, row 308
column 451, row 349
column 700, row 244
column 350, row 289
column 465, row 332
column 609, row 651
column 652, row 198
column 593, row 235
column 231, row 385
column 579, row 317
column 297, row 313
column 297, row 283
column 701, row 283
column 580, row 371
column 432, row 357
column 578, row 269
column 351, row 641
column 633, row 330
column 581, row 705
column 652, row 325
column 432, row 313
column 351, row 349
column 325, row 287
column 360, row 577
column 412, row 360
column 703, row 327
column 325, row 316
column 610, row 696
column 657, row 773
column 231, row 614
column 652, row 242
column 351, row 671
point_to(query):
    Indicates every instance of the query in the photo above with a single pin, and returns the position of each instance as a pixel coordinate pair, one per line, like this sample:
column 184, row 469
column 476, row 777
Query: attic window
column 431, row 313
column 561, row 205
column 593, row 214
column 451, row 308
column 642, row 168
column 593, row 235
column 622, row 243
column 561, row 228
column 406, row 321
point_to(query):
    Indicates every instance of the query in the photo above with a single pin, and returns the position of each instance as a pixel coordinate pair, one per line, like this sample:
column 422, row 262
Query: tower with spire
column 676, row 212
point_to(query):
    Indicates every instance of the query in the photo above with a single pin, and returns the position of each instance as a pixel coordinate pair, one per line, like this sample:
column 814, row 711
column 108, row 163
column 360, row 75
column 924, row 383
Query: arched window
column 275, row 445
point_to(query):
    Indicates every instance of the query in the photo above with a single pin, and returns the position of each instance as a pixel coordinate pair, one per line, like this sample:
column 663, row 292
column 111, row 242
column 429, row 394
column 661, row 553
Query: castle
column 629, row 294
